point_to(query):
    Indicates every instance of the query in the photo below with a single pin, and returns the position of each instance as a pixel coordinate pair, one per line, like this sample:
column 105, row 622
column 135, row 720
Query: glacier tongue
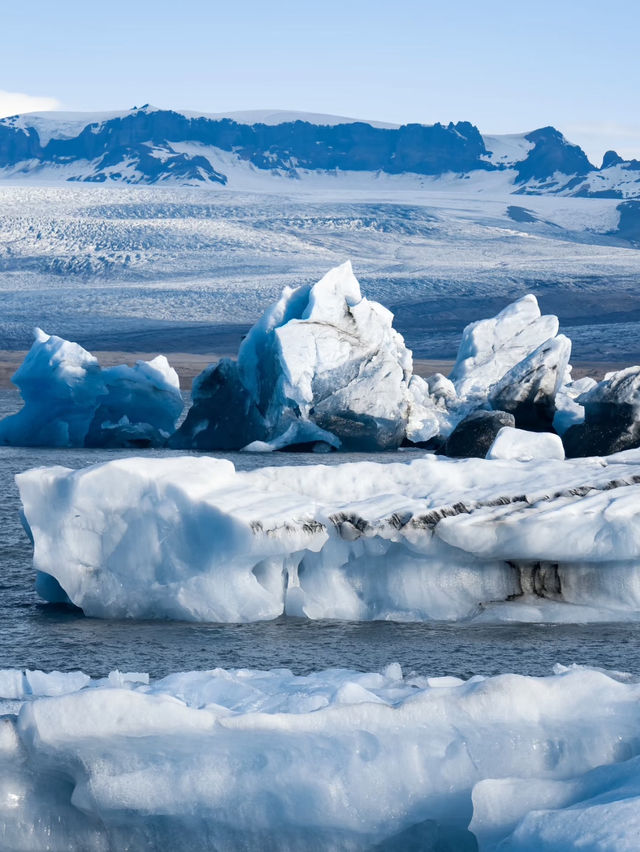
column 436, row 538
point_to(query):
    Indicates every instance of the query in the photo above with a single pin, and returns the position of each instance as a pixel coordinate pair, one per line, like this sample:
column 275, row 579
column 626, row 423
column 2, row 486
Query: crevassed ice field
column 180, row 269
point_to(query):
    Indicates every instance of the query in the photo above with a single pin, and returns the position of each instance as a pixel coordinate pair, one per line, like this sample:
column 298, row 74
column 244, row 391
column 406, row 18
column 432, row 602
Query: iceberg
column 528, row 390
column 515, row 364
column 323, row 364
column 521, row 445
column 322, row 369
column 491, row 347
column 70, row 401
column 336, row 759
column 436, row 538
column 611, row 416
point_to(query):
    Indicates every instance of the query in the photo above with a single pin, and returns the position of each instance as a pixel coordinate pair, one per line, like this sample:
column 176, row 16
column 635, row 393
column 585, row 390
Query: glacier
column 433, row 538
column 70, row 401
column 331, row 760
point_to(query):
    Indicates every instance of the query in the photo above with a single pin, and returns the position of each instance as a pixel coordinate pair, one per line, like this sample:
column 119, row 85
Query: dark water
column 42, row 636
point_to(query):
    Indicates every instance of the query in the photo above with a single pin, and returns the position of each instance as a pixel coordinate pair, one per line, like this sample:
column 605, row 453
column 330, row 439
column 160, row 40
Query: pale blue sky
column 506, row 66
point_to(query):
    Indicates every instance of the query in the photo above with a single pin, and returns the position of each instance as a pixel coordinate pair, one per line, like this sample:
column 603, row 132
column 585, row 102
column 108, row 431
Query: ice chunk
column 322, row 355
column 568, row 411
column 69, row 401
column 337, row 759
column 61, row 384
column 528, row 390
column 520, row 445
column 431, row 409
column 435, row 538
column 611, row 416
column 491, row 347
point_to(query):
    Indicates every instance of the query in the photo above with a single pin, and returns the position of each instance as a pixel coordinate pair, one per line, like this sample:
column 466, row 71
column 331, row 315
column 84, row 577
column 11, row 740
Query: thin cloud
column 13, row 103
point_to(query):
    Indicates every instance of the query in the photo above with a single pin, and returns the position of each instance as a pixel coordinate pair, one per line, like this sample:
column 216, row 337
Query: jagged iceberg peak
column 322, row 364
column 492, row 347
column 71, row 401
column 339, row 362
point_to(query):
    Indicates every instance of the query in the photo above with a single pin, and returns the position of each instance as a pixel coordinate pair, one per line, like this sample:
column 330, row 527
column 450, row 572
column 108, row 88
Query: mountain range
column 154, row 146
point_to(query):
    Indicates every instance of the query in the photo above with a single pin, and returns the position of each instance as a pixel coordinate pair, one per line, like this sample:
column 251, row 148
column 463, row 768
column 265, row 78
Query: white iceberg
column 520, row 445
column 323, row 364
column 266, row 760
column 436, row 538
column 514, row 362
column 528, row 390
column 70, row 401
column 492, row 347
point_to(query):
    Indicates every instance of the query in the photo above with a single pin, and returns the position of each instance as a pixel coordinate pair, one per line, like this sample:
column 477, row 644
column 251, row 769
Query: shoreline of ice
column 335, row 760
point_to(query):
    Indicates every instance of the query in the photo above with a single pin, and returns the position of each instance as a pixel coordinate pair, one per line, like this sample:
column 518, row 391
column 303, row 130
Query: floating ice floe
column 521, row 445
column 70, row 401
column 336, row 759
column 433, row 539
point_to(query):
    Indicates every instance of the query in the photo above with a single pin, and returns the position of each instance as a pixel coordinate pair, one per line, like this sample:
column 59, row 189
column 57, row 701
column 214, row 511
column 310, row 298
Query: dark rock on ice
column 528, row 390
column 223, row 416
column 474, row 435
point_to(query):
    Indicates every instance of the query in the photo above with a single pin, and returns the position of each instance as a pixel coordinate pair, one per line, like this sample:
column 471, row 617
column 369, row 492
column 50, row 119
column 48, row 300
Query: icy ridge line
column 150, row 146
column 337, row 759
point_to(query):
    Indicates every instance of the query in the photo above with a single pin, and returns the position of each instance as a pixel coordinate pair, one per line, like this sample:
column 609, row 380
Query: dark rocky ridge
column 141, row 146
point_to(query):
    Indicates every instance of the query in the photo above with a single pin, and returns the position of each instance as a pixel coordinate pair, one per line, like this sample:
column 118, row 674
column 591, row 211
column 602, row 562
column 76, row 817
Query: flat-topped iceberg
column 436, row 538
column 334, row 760
column 70, row 401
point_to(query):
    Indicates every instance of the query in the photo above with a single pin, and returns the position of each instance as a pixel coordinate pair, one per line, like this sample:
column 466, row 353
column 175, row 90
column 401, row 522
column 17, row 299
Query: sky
column 507, row 67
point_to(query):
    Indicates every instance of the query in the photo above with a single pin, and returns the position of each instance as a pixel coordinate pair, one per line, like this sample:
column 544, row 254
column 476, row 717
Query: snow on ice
column 337, row 759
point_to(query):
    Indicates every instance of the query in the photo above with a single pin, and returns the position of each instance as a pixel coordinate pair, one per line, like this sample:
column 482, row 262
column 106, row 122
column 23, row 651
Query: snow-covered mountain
column 149, row 145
